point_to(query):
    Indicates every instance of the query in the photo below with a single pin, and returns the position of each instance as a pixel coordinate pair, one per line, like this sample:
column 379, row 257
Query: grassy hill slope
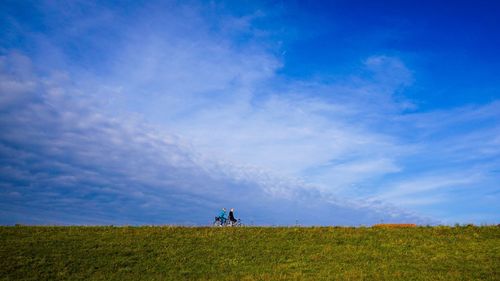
column 249, row 253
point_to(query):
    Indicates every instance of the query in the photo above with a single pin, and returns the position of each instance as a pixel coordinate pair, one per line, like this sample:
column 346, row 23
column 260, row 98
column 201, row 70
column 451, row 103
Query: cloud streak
column 63, row 161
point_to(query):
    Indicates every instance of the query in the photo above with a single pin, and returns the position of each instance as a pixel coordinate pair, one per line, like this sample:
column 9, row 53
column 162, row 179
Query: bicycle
column 227, row 222
column 236, row 223
column 218, row 222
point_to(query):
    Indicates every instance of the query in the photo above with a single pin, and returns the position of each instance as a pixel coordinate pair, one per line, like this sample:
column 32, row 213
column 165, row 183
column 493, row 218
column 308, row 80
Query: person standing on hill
column 231, row 216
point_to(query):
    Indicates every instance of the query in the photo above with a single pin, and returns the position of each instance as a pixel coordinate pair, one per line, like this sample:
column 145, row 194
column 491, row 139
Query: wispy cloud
column 63, row 160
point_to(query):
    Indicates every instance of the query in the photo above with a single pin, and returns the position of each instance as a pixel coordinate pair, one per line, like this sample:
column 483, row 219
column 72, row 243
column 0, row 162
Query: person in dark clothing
column 231, row 216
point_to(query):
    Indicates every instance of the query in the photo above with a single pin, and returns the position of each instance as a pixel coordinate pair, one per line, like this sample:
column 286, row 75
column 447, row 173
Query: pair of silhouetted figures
column 223, row 220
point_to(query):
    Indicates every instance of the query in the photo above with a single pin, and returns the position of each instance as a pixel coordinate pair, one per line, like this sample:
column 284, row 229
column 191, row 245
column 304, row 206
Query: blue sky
column 162, row 112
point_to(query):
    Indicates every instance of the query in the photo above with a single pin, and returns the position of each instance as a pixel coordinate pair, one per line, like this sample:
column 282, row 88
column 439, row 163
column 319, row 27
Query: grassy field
column 249, row 253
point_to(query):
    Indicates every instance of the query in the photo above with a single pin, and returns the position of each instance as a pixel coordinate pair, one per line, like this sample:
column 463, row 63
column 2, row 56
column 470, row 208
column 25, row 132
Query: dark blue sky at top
column 452, row 46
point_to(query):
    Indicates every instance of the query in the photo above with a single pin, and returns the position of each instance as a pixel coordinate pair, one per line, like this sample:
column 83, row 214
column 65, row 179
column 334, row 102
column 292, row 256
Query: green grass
column 249, row 253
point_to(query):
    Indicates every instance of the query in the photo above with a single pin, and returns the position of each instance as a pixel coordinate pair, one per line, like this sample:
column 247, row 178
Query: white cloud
column 412, row 187
column 124, row 170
